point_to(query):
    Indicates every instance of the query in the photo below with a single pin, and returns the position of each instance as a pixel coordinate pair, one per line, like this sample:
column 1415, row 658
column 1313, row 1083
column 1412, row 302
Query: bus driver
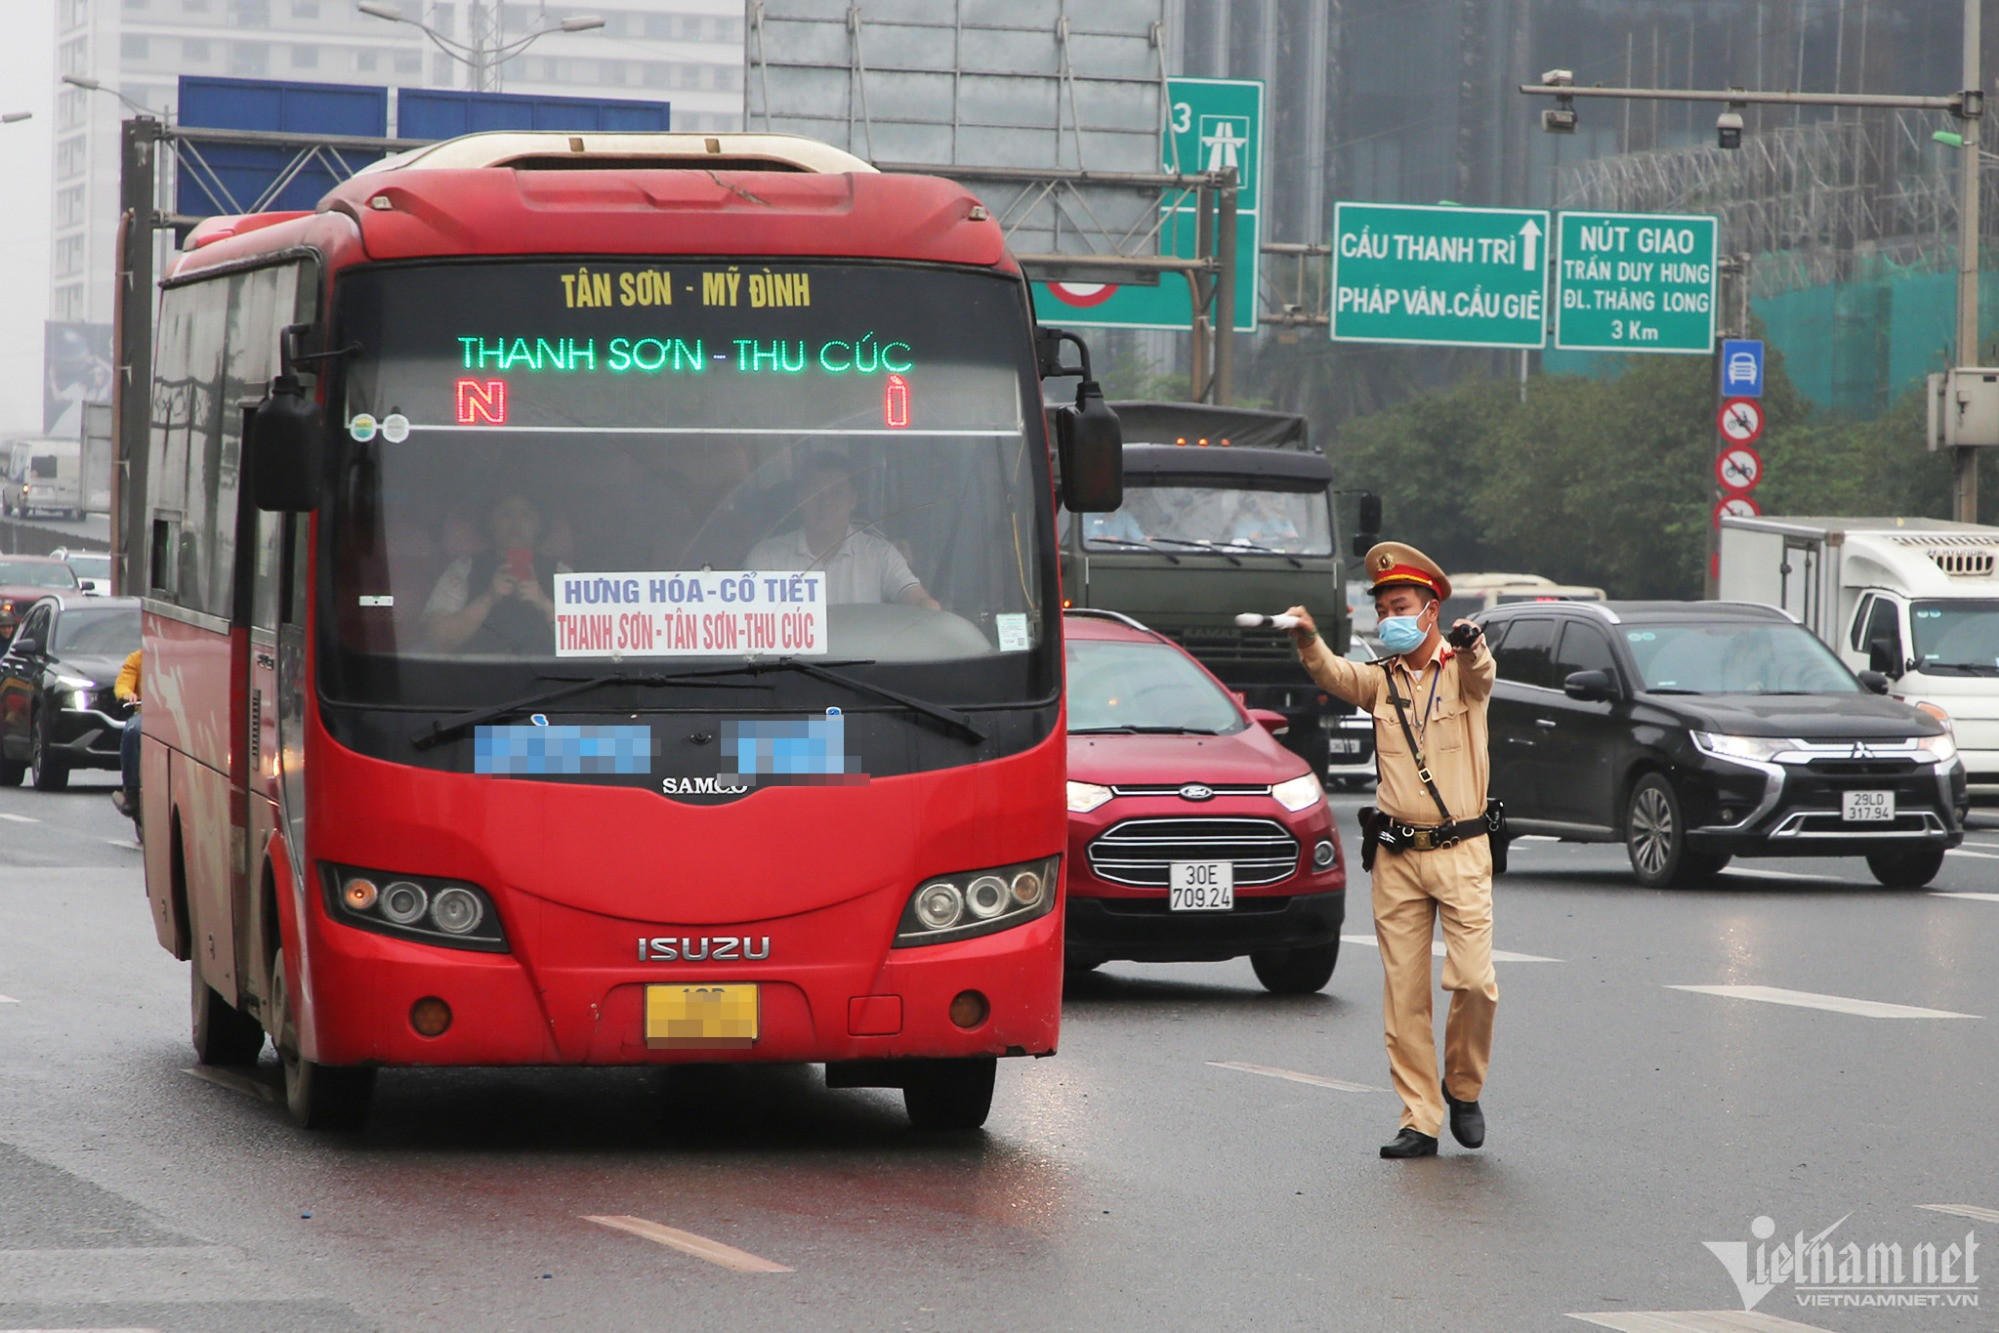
column 859, row 566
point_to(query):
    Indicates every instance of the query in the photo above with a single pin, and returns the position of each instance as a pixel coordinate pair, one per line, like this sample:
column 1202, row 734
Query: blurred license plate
column 1200, row 886
column 1866, row 807
column 693, row 1016
column 1345, row 745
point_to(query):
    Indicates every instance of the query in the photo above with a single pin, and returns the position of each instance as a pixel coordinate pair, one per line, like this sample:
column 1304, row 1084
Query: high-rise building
column 685, row 52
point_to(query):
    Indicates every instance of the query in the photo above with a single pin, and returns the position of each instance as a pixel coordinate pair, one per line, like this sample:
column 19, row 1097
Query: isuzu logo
column 1196, row 791
column 704, row 948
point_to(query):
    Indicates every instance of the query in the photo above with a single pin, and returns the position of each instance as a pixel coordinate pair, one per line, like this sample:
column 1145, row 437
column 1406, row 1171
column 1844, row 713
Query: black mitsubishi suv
column 1694, row 732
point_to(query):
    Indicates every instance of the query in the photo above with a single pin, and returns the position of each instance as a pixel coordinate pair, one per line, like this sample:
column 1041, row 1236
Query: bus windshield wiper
column 950, row 717
column 569, row 687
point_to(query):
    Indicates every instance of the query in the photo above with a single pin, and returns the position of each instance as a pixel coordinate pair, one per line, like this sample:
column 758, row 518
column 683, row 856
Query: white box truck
column 1916, row 599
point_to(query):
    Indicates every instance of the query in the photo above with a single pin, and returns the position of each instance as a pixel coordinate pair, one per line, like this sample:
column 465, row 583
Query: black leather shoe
column 1410, row 1143
column 1467, row 1121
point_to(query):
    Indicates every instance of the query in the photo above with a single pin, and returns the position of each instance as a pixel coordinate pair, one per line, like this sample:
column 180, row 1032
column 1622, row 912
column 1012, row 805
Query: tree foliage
column 1610, row 481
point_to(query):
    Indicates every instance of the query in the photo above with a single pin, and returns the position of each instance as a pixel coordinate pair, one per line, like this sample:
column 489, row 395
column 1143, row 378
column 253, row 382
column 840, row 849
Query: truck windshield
column 1143, row 687
column 1956, row 635
column 1230, row 518
column 556, row 468
column 1736, row 659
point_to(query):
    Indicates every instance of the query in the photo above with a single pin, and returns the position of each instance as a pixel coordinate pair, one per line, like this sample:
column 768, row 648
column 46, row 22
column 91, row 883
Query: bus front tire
column 950, row 1094
column 317, row 1096
column 223, row 1034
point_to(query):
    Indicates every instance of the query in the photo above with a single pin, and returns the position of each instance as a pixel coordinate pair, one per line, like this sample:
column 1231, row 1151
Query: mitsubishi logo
column 1196, row 791
column 1860, row 751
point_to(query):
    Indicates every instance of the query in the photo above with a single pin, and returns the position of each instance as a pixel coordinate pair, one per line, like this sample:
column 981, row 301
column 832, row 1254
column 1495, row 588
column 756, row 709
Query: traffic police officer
column 1430, row 862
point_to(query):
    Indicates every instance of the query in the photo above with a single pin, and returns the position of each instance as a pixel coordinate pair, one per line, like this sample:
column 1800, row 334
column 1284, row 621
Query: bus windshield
column 555, row 468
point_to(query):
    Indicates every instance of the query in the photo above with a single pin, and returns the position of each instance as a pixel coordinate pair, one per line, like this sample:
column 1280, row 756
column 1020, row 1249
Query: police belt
column 1397, row 836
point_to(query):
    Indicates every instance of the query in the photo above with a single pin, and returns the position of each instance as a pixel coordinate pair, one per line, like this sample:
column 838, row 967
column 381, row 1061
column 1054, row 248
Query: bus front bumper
column 511, row 1009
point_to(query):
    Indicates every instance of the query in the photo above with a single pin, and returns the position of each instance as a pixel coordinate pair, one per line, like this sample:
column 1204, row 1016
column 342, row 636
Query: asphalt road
column 1200, row 1155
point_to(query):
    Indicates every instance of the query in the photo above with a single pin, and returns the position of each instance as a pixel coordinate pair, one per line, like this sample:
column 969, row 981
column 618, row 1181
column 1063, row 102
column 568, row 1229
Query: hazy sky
column 27, row 76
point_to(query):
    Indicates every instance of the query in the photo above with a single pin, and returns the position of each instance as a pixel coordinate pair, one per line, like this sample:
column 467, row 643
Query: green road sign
column 1635, row 282
column 1416, row 273
column 1212, row 124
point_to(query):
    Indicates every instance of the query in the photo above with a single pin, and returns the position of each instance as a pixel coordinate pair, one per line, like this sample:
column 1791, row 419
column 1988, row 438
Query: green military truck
column 1225, row 510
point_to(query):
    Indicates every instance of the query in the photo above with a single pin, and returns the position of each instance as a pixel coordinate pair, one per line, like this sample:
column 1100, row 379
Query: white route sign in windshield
column 691, row 613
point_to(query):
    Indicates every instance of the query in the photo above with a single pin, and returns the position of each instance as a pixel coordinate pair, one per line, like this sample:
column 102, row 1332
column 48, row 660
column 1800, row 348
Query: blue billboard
column 444, row 113
column 236, row 178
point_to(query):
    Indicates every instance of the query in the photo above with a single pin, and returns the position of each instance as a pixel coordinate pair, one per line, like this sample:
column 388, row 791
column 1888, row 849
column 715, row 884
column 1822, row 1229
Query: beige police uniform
column 1447, row 694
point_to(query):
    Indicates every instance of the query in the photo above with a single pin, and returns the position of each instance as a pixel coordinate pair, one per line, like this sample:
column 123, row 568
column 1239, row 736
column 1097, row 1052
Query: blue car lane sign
column 1742, row 367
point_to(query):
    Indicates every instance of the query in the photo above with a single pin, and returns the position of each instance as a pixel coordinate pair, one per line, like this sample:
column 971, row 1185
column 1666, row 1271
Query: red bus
column 601, row 608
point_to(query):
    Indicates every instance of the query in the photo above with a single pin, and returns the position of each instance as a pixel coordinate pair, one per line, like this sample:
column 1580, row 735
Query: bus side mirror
column 286, row 435
column 1368, row 525
column 1090, row 448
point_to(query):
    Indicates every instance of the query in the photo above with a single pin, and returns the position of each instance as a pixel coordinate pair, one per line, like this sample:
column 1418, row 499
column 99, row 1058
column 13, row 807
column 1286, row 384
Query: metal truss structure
column 1812, row 204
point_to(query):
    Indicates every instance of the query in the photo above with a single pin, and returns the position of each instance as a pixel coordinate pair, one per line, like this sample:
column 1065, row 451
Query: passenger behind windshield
column 859, row 565
column 498, row 600
column 1261, row 521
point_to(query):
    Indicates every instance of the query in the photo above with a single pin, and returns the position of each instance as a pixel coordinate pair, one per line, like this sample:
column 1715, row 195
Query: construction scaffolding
column 1813, row 204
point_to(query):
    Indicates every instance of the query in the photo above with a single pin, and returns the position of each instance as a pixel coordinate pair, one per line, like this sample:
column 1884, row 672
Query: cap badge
column 1385, row 561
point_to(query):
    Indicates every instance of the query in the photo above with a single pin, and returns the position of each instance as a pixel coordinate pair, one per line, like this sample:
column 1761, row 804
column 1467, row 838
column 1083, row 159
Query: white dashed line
column 1976, row 856
column 1838, row 1004
column 20, row 819
column 1293, row 1076
column 1975, row 897
column 8, row 999
column 1695, row 1321
column 1437, row 951
column 1970, row 1210
column 714, row 1251
column 1786, row 876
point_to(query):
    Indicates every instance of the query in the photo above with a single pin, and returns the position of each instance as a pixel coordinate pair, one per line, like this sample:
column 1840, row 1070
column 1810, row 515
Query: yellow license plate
column 701, row 1016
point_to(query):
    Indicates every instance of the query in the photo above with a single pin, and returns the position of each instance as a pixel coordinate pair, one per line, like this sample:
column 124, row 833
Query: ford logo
column 1195, row 791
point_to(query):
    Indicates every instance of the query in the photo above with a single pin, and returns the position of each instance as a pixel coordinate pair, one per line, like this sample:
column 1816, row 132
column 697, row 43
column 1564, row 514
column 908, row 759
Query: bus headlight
column 978, row 902
column 446, row 912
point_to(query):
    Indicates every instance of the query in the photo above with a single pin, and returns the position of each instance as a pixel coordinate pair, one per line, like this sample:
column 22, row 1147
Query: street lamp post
column 1967, row 105
column 488, row 50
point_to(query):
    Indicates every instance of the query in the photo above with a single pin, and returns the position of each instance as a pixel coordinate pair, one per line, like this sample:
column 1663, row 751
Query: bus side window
column 165, row 541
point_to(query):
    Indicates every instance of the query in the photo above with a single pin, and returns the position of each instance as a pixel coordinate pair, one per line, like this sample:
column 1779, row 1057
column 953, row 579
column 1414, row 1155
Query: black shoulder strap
column 1415, row 748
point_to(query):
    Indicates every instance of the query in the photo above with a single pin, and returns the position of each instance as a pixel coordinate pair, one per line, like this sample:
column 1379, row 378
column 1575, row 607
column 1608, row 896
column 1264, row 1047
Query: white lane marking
column 1970, row 1210
column 1292, row 1075
column 1695, row 1321
column 235, row 1082
column 127, row 843
column 20, row 819
column 1838, row 1004
column 714, row 1251
column 8, row 999
column 1976, row 897
column 1536, row 837
column 1787, row 876
column 1437, row 950
column 1977, row 856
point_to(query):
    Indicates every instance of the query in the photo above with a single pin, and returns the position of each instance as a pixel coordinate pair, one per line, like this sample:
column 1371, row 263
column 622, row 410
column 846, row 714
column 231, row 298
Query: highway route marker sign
column 1740, row 420
column 1737, row 506
column 1738, row 468
column 1635, row 282
column 1437, row 275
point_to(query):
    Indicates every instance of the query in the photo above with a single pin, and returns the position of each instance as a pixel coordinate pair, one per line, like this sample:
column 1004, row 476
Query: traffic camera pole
column 1225, row 283
column 132, row 314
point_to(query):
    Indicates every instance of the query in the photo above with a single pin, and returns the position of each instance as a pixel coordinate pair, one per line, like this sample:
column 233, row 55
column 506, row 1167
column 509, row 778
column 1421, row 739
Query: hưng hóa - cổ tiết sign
column 693, row 613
